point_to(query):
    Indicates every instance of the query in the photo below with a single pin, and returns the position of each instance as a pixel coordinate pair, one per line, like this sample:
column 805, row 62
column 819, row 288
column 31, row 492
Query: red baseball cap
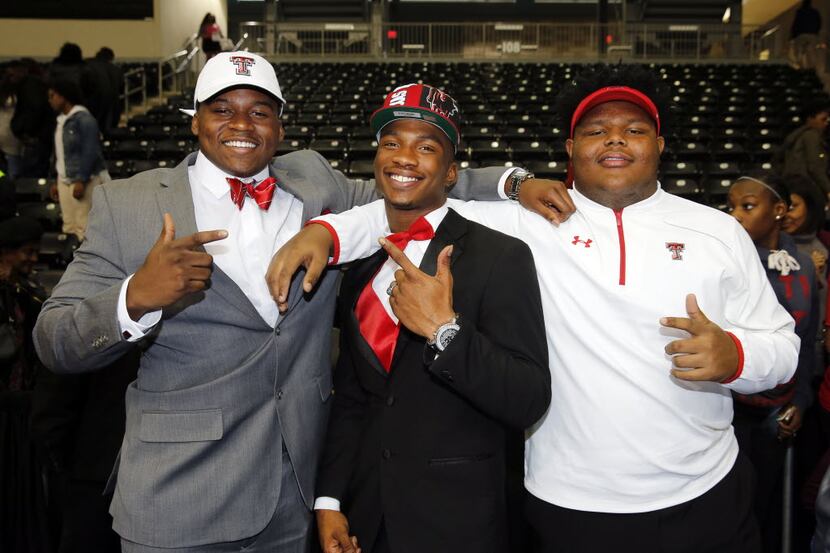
column 420, row 101
column 611, row 94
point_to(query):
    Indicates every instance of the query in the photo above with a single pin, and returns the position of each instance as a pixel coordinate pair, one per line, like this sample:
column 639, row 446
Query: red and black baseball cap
column 420, row 101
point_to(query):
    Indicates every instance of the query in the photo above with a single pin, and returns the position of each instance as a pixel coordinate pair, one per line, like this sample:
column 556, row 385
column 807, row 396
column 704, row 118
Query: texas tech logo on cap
column 243, row 64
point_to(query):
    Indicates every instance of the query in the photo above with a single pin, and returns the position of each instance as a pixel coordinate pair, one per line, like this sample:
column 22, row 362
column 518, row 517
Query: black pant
column 719, row 521
column 757, row 433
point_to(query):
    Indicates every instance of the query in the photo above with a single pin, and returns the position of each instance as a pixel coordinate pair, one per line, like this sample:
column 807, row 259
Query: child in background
column 766, row 421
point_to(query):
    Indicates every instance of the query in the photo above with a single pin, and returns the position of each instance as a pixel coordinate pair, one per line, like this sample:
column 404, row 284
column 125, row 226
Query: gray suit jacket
column 219, row 392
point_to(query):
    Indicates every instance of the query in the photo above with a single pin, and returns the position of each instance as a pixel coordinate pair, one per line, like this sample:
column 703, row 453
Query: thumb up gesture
column 708, row 354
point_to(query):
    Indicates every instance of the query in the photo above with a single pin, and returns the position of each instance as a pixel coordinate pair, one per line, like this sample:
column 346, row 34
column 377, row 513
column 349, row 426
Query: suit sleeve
column 762, row 330
column 348, row 413
column 77, row 329
column 500, row 361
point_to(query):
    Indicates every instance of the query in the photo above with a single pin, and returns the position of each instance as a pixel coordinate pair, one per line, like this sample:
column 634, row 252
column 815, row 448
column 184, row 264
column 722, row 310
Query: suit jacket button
column 277, row 331
column 390, row 401
column 386, row 454
column 279, row 394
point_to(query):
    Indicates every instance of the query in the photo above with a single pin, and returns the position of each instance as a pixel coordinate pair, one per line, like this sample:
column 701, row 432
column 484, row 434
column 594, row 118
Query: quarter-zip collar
column 583, row 203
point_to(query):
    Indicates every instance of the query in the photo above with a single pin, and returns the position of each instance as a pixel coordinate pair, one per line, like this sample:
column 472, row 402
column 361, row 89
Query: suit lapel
column 363, row 273
column 174, row 197
column 300, row 188
column 451, row 231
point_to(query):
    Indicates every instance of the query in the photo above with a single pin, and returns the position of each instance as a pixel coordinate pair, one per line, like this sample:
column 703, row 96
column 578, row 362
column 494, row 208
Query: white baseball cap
column 232, row 69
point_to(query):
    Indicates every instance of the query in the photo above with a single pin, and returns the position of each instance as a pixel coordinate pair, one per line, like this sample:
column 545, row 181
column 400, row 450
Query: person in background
column 69, row 64
column 78, row 158
column 10, row 146
column 77, row 424
column 804, row 150
column 23, row 519
column 804, row 35
column 33, row 122
column 210, row 35
column 102, row 85
column 767, row 421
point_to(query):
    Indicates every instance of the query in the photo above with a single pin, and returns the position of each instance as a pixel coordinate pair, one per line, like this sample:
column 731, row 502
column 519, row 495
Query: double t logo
column 676, row 249
column 242, row 64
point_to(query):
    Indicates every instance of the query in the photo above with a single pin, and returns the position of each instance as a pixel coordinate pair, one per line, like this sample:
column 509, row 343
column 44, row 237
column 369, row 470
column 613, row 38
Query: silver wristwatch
column 516, row 179
column 444, row 334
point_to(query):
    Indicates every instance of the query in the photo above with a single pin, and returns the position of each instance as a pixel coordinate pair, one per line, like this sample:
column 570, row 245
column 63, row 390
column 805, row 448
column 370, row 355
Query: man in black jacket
column 434, row 371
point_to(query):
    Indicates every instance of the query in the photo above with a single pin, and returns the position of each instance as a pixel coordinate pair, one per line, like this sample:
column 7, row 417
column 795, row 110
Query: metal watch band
column 516, row 179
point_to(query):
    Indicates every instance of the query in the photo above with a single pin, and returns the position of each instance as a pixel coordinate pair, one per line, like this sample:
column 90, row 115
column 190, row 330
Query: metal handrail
column 240, row 41
column 128, row 92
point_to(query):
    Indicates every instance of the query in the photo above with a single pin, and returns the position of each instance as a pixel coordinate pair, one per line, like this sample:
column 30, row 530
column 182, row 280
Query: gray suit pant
column 288, row 531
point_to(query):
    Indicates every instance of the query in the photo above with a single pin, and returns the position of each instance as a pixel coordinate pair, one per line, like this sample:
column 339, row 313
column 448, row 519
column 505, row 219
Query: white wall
column 758, row 12
column 165, row 33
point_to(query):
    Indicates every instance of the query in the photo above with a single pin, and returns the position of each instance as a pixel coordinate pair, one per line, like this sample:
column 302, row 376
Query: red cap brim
column 612, row 94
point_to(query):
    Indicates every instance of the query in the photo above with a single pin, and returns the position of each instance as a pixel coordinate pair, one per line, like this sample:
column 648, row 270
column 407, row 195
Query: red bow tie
column 419, row 230
column 262, row 193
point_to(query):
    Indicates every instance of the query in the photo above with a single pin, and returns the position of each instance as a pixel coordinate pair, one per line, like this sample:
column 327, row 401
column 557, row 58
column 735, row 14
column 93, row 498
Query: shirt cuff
column 740, row 348
column 502, row 180
column 327, row 503
column 334, row 238
column 131, row 330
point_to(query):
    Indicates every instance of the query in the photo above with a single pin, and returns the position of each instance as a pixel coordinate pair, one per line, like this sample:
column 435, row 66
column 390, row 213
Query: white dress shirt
column 253, row 237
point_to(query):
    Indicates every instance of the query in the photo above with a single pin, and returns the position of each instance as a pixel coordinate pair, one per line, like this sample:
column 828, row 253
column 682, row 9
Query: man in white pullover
column 636, row 452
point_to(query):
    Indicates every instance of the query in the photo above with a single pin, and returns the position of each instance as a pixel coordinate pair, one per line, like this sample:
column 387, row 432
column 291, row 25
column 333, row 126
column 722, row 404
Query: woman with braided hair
column 765, row 422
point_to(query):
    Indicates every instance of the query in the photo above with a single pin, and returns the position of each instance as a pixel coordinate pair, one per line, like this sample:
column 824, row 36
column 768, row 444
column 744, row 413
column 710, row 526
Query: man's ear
column 452, row 174
column 194, row 124
column 569, row 147
column 661, row 144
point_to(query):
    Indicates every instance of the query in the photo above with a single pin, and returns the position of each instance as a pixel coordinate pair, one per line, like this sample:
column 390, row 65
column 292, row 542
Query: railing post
column 698, row 43
column 429, row 40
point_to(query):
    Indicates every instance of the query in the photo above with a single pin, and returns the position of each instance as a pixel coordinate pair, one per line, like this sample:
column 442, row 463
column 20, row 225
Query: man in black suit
column 434, row 371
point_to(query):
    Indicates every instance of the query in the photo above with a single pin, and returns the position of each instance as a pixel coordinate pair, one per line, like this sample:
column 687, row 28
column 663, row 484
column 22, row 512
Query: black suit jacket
column 423, row 448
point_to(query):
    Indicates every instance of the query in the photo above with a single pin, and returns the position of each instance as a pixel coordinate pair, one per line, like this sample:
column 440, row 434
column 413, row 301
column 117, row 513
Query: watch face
column 446, row 335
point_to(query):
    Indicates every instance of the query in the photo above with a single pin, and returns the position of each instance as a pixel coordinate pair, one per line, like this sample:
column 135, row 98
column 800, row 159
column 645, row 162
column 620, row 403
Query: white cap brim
column 190, row 112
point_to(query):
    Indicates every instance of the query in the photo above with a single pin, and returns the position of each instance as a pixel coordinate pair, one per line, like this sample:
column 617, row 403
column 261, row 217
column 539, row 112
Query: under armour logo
column 676, row 248
column 576, row 241
column 242, row 64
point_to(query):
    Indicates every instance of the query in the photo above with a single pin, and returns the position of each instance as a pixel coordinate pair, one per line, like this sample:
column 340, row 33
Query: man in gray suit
column 226, row 418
